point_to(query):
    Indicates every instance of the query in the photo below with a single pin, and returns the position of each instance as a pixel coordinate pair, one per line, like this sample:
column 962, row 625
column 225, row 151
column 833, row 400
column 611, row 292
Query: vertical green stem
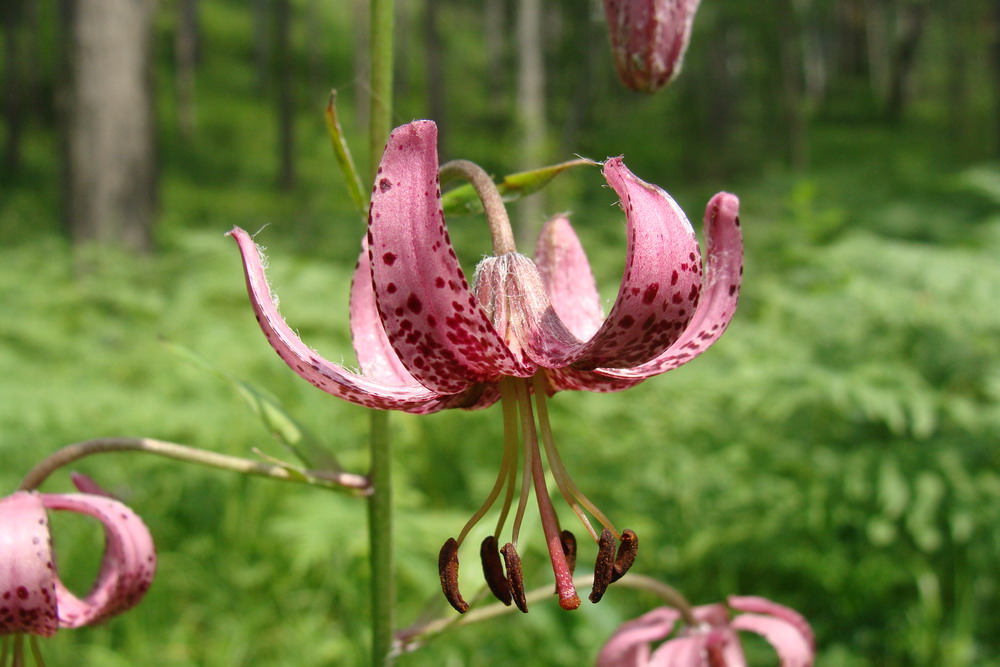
column 383, row 588
column 380, row 109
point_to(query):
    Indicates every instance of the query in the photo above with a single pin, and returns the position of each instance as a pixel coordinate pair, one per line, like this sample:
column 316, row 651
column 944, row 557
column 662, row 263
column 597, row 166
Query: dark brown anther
column 493, row 570
column 626, row 554
column 568, row 540
column 515, row 578
column 448, row 569
column 604, row 568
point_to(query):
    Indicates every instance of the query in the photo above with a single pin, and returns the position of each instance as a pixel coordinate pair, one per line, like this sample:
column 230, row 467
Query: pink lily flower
column 649, row 39
column 426, row 340
column 713, row 642
column 33, row 600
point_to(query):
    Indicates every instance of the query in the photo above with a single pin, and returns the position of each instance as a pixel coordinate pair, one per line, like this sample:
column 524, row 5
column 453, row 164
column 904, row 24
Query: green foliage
column 836, row 451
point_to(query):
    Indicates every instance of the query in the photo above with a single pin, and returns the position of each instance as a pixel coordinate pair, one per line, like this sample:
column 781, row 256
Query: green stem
column 380, row 108
column 424, row 631
column 170, row 450
column 383, row 593
column 383, row 588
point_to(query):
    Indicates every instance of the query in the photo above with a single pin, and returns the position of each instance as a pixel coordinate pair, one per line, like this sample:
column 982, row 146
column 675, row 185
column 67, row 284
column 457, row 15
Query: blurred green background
column 836, row 451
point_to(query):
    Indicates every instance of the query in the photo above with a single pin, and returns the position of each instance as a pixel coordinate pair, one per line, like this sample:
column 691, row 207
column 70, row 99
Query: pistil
column 568, row 598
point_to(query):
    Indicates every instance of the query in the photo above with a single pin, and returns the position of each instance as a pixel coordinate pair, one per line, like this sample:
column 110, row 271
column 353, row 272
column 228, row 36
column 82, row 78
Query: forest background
column 836, row 451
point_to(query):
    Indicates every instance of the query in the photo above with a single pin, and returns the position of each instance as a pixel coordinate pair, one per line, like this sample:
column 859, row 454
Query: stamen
column 568, row 540
column 527, row 425
column 568, row 599
column 508, row 401
column 604, row 568
column 565, row 483
column 515, row 578
column 507, row 461
column 493, row 570
column 626, row 554
column 448, row 570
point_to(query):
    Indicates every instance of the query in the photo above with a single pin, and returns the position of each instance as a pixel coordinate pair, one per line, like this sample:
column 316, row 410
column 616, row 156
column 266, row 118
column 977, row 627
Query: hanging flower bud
column 648, row 39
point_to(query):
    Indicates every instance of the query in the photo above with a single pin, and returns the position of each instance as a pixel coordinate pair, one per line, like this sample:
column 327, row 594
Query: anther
column 493, row 570
column 626, row 554
column 515, row 578
column 569, row 548
column 448, row 569
column 604, row 568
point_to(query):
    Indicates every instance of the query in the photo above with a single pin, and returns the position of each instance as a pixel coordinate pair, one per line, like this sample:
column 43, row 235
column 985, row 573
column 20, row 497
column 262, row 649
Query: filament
column 565, row 483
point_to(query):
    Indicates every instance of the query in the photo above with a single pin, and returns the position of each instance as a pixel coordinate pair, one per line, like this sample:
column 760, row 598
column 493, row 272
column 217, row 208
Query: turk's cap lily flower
column 33, row 600
column 426, row 339
column 649, row 39
column 713, row 642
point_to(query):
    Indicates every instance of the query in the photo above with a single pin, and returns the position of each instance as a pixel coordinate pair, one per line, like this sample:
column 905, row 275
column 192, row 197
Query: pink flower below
column 33, row 600
column 713, row 642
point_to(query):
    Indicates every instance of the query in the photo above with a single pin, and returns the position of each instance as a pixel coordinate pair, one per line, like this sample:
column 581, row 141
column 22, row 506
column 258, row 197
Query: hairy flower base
column 505, row 580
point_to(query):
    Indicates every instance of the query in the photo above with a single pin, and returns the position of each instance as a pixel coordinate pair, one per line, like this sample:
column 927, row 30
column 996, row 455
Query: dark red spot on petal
column 388, row 258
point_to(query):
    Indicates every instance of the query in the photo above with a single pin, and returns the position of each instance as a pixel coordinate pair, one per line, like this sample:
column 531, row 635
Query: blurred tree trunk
column 908, row 28
column 284, row 93
column 495, row 26
column 262, row 43
column 531, row 110
column 186, row 57
column 111, row 169
column 586, row 35
column 433, row 47
column 851, row 38
column 13, row 87
column 791, row 57
column 996, row 71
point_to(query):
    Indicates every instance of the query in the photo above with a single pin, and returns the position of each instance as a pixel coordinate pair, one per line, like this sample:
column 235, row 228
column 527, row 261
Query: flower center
column 521, row 438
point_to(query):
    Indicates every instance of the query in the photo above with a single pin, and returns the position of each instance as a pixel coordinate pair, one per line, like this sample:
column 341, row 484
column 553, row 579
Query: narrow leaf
column 353, row 181
column 463, row 200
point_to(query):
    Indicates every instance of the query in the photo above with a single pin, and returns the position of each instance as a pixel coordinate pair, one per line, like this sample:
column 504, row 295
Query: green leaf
column 464, row 201
column 344, row 159
column 289, row 431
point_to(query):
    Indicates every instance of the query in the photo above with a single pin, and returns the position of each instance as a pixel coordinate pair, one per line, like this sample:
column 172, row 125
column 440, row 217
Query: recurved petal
column 686, row 651
column 567, row 277
column 721, row 292
column 434, row 323
column 793, row 648
column 661, row 285
column 127, row 567
column 328, row 376
column 572, row 379
column 27, row 571
column 629, row 646
column 759, row 605
column 376, row 358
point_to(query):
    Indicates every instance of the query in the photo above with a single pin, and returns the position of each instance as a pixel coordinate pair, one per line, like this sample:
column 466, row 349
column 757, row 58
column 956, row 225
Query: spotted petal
column 126, row 570
column 567, row 277
column 721, row 293
column 27, row 571
column 376, row 357
column 630, row 645
column 328, row 376
column 659, row 289
column 436, row 326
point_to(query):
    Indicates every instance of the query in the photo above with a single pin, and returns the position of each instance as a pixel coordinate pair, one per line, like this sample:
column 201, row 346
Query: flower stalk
column 357, row 484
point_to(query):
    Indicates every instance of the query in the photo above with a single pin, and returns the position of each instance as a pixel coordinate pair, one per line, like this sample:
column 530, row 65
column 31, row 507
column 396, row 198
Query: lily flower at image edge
column 712, row 641
column 426, row 340
column 33, row 600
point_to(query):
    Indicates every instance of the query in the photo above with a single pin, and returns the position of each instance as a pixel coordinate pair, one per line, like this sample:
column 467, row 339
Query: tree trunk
column 494, row 24
column 262, row 43
column 186, row 58
column 909, row 28
column 531, row 107
column 13, row 87
column 111, row 189
column 283, row 79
